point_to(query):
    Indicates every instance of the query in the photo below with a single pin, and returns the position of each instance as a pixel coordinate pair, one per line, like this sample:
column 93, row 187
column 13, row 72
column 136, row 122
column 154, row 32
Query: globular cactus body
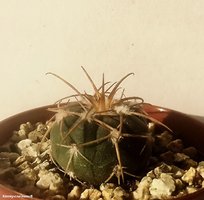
column 99, row 137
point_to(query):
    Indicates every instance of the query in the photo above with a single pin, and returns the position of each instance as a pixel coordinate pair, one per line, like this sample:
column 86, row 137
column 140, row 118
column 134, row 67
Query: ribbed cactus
column 98, row 137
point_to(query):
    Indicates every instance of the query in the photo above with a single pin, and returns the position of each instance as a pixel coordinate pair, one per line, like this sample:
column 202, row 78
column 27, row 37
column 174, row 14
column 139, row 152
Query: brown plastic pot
column 188, row 128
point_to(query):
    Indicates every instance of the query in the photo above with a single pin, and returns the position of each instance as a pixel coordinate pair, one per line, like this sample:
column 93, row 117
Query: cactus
column 95, row 138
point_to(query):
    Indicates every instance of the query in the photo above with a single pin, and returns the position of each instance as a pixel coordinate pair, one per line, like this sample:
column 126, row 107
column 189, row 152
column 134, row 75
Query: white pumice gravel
column 75, row 193
column 49, row 180
column 24, row 166
column 142, row 192
column 110, row 191
column 163, row 186
column 92, row 194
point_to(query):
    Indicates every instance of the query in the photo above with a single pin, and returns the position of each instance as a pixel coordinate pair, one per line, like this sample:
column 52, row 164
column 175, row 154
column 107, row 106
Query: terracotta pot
column 189, row 129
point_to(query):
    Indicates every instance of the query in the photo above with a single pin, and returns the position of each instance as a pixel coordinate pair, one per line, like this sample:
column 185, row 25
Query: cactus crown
column 103, row 99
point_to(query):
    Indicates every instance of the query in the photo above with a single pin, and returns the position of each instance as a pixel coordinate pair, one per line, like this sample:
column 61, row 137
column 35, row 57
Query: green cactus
column 97, row 137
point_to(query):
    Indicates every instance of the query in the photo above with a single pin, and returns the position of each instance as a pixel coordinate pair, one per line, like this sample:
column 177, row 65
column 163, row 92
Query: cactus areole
column 95, row 138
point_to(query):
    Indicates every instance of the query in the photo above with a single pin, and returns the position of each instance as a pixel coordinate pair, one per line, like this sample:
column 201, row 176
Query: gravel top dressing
column 26, row 166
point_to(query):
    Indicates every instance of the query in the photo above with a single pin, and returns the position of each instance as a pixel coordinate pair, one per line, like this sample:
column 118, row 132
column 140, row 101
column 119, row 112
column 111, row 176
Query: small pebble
column 163, row 168
column 189, row 176
column 162, row 187
column 90, row 194
column 175, row 146
column 167, row 157
column 191, row 190
column 191, row 152
column 180, row 157
column 49, row 180
column 164, row 139
column 200, row 168
column 24, row 144
column 75, row 193
column 142, row 192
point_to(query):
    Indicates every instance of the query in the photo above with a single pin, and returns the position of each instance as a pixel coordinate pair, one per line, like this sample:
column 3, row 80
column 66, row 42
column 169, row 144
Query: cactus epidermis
column 98, row 137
